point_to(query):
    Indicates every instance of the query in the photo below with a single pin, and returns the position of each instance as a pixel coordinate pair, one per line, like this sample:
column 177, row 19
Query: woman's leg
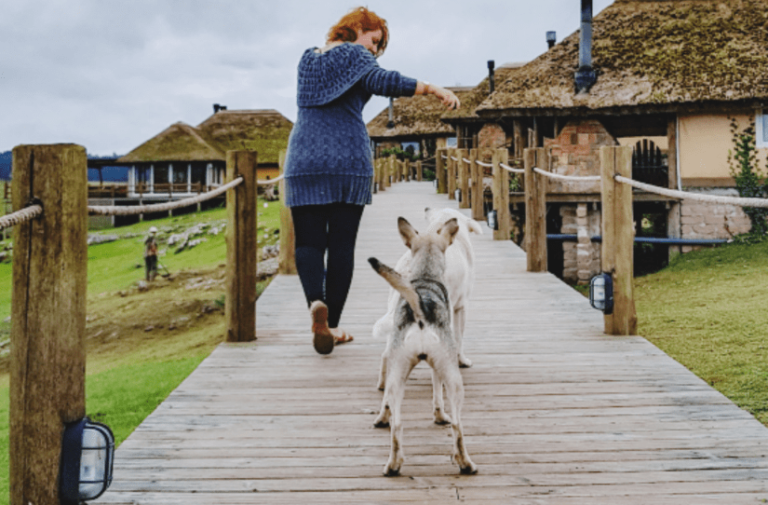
column 343, row 224
column 310, row 224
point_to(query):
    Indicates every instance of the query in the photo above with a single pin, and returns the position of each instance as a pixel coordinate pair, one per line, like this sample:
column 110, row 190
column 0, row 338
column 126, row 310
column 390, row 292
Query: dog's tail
column 402, row 286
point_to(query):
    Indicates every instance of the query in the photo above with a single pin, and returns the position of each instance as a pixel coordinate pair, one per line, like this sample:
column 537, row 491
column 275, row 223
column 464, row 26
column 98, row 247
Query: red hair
column 359, row 19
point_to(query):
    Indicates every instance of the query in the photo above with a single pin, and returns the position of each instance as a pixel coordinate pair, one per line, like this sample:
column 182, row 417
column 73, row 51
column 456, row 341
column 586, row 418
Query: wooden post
column 379, row 173
column 536, row 209
column 287, row 259
column 673, row 216
column 476, row 173
column 440, row 171
column 419, row 171
column 501, row 195
column 240, row 307
column 50, row 264
column 463, row 178
column 405, row 170
column 451, row 173
column 618, row 238
column 517, row 137
column 391, row 170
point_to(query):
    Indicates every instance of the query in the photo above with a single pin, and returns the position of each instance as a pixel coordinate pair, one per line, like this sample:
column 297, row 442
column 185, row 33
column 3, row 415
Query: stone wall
column 576, row 151
column 711, row 221
column 582, row 258
column 492, row 136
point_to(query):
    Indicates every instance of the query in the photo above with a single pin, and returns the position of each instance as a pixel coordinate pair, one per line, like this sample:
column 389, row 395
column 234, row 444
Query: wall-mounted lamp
column 493, row 223
column 601, row 293
column 457, row 194
column 87, row 456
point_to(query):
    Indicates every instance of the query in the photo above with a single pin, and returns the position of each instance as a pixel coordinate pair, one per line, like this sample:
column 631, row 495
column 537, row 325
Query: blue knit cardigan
column 329, row 152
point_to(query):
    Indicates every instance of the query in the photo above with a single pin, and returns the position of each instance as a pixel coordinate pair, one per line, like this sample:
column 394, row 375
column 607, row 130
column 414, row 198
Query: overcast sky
column 110, row 74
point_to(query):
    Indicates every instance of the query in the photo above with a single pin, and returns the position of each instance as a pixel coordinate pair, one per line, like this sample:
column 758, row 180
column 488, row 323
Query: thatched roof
column 264, row 131
column 414, row 116
column 473, row 98
column 650, row 55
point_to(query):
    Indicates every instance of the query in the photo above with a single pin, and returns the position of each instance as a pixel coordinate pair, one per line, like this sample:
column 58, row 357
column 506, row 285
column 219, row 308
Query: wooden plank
column 287, row 260
column 241, row 247
column 47, row 387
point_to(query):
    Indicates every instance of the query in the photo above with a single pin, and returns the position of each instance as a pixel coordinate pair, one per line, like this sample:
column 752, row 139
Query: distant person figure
column 150, row 255
column 328, row 169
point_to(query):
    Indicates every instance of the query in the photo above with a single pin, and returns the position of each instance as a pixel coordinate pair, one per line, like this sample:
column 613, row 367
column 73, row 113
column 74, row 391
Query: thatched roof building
column 650, row 56
column 471, row 100
column 264, row 131
column 414, row 118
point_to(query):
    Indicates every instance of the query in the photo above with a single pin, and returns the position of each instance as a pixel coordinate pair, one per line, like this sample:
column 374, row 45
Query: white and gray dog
column 422, row 332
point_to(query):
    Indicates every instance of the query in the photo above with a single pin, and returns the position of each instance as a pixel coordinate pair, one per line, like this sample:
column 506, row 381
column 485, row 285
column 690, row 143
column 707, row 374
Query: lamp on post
column 601, row 293
column 493, row 223
column 457, row 194
column 87, row 457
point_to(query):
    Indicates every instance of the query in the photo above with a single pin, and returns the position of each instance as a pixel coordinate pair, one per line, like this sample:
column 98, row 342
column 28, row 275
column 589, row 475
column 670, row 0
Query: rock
column 101, row 239
column 176, row 237
column 267, row 269
column 7, row 319
column 172, row 326
column 149, row 328
column 142, row 285
column 270, row 251
column 122, row 294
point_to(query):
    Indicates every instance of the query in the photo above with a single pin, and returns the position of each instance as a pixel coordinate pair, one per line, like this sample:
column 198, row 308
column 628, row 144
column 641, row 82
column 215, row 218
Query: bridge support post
column 287, row 259
column 440, row 170
column 536, row 209
column 391, row 177
column 242, row 223
column 618, row 238
column 451, row 173
column 419, row 171
column 476, row 174
column 50, row 262
column 501, row 195
column 463, row 178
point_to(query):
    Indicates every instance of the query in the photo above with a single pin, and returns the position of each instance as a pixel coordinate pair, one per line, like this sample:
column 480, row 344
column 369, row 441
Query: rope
column 486, row 165
column 454, row 159
column 444, row 157
column 20, row 216
column 726, row 200
column 160, row 207
column 513, row 170
column 577, row 178
column 267, row 182
column 467, row 161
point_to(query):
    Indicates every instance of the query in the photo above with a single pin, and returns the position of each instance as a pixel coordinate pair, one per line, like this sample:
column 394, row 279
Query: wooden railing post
column 240, row 305
column 501, row 195
column 440, row 171
column 536, row 209
column 47, row 386
column 419, row 171
column 618, row 238
column 287, row 259
column 391, row 170
column 476, row 173
column 379, row 173
column 451, row 174
column 462, row 170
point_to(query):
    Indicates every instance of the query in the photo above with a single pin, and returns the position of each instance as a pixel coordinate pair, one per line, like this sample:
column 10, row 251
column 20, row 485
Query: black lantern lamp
column 493, row 223
column 601, row 293
column 87, row 457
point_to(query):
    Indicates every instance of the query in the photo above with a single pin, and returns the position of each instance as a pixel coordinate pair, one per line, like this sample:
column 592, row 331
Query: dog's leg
column 437, row 400
column 454, row 387
column 459, row 319
column 396, row 377
column 383, row 372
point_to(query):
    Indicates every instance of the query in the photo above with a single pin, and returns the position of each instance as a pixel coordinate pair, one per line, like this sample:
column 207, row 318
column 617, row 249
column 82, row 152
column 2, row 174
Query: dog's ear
column 474, row 227
column 407, row 232
column 448, row 230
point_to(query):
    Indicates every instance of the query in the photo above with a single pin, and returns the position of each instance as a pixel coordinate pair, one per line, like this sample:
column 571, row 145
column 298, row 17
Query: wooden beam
column 674, row 219
column 287, row 259
column 419, row 171
column 440, row 170
column 618, row 238
column 451, row 174
column 242, row 224
column 501, row 195
column 476, row 173
column 536, row 209
column 48, row 315
column 462, row 171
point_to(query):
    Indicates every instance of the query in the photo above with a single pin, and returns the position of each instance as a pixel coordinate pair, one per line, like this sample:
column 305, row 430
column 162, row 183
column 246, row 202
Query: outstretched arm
column 449, row 99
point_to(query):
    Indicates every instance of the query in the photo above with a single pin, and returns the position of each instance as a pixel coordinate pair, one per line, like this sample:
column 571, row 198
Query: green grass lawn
column 131, row 371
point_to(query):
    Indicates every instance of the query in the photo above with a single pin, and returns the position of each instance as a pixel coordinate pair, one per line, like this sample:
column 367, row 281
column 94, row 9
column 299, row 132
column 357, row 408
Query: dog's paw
column 392, row 468
column 464, row 362
column 470, row 469
column 381, row 424
column 441, row 417
column 381, row 386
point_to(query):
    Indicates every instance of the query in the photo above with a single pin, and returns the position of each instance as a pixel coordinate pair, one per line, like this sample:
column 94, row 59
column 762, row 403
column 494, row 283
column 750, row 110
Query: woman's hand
column 448, row 97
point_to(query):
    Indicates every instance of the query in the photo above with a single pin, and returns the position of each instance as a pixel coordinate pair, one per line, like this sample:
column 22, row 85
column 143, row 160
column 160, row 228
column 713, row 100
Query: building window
column 450, row 142
column 761, row 121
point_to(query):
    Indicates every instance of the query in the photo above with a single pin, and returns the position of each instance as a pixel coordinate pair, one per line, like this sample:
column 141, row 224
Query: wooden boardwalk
column 555, row 411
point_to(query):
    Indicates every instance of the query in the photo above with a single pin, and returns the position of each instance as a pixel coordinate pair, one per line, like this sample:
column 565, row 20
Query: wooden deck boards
column 555, row 411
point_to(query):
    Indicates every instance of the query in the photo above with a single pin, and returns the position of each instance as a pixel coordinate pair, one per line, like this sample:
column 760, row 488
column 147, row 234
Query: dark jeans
column 150, row 267
column 333, row 229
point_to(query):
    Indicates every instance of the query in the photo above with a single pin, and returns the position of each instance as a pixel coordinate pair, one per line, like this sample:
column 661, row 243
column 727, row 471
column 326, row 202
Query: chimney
column 391, row 122
column 551, row 39
column 491, row 66
column 585, row 77
column 216, row 108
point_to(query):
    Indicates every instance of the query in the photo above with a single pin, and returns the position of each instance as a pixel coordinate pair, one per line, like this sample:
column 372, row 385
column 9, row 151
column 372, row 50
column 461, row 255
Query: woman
column 328, row 169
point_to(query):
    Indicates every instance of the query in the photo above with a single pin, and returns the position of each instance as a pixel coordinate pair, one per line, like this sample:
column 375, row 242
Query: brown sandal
column 323, row 338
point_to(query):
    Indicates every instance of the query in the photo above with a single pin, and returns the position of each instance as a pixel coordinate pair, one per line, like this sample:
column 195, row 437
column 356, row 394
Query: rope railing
column 684, row 195
column 512, row 169
column 113, row 210
column 575, row 178
column 454, row 158
column 267, row 182
column 486, row 165
column 20, row 216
